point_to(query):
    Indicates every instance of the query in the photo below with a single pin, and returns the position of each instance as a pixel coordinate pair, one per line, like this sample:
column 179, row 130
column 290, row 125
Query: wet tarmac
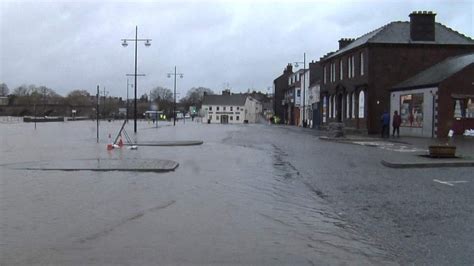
column 236, row 199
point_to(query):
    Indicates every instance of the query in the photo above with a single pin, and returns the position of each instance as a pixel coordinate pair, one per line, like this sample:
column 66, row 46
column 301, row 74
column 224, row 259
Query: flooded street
column 236, row 199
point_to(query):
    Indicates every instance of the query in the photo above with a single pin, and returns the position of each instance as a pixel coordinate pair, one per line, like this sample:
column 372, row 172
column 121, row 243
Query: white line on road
column 449, row 183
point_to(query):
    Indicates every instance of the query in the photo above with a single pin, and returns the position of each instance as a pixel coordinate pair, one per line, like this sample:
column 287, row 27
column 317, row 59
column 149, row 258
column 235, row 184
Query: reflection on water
column 232, row 200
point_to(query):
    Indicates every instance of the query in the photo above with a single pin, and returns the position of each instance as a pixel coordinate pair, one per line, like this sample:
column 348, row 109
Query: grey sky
column 76, row 45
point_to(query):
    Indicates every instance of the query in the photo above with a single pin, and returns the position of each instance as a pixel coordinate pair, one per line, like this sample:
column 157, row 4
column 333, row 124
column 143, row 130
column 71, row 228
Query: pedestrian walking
column 385, row 119
column 397, row 121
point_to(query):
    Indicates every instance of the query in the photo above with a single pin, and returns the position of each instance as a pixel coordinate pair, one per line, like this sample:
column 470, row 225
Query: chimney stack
column 422, row 26
column 345, row 42
column 288, row 69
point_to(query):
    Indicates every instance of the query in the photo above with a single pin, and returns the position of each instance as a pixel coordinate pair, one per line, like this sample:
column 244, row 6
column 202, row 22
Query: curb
column 428, row 164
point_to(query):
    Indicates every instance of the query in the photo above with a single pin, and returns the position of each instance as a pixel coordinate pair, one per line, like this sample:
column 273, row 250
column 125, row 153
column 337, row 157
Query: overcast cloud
column 76, row 45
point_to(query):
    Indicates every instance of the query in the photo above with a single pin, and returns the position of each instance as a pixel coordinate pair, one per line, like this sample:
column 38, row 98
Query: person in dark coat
column 385, row 119
column 396, row 122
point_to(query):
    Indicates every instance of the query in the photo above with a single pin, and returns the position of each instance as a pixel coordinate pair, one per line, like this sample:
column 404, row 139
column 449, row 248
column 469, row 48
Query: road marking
column 449, row 183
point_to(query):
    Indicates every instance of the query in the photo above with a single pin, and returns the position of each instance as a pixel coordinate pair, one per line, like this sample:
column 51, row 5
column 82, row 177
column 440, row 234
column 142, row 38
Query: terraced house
column 358, row 77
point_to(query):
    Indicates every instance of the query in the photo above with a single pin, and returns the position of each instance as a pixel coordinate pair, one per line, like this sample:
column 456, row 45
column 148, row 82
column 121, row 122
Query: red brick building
column 358, row 78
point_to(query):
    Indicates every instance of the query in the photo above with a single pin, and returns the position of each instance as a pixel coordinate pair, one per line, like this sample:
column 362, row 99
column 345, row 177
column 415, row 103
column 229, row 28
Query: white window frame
column 341, row 70
column 349, row 71
column 361, row 104
column 361, row 63
column 348, row 105
column 353, row 66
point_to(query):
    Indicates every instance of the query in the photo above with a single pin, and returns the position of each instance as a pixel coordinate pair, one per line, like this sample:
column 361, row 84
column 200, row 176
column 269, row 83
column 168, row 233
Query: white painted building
column 230, row 109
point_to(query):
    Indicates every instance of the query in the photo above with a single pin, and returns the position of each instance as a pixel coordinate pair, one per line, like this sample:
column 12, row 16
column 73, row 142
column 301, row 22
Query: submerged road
column 251, row 194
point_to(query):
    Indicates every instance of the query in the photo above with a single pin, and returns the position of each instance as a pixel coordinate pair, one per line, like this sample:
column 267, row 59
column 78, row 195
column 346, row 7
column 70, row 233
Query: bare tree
column 21, row 90
column 4, row 91
column 195, row 95
column 78, row 98
column 161, row 94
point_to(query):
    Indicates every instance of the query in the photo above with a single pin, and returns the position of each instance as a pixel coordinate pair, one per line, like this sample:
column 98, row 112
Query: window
column 217, row 108
column 333, row 106
column 217, row 117
column 361, row 64
column 231, row 108
column 210, row 117
column 349, row 66
column 210, row 108
column 348, row 107
column 353, row 105
column 237, row 108
column 237, row 118
column 224, row 108
column 353, row 67
column 324, row 74
column 470, row 108
column 289, row 81
column 298, row 93
column 231, row 118
column 341, row 72
column 361, row 104
column 411, row 110
column 325, row 104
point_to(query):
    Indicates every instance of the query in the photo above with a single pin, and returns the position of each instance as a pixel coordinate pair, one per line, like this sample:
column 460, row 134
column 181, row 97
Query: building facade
column 230, row 109
column 358, row 77
column 438, row 99
column 280, row 86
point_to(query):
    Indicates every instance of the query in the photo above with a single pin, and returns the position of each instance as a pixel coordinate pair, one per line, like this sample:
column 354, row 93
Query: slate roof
column 399, row 33
column 233, row 99
column 437, row 73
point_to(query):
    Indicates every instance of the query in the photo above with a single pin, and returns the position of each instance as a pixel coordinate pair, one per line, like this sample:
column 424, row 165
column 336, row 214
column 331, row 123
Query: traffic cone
column 110, row 146
column 120, row 141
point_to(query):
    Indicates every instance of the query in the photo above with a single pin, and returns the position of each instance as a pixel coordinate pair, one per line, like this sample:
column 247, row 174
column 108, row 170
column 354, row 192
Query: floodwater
column 232, row 200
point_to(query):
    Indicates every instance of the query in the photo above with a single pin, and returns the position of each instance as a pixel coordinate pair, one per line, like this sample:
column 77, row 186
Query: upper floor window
column 210, row 108
column 217, row 108
column 231, row 109
column 324, row 74
column 224, row 108
column 361, row 63
column 341, row 72
column 353, row 67
column 289, row 81
column 349, row 67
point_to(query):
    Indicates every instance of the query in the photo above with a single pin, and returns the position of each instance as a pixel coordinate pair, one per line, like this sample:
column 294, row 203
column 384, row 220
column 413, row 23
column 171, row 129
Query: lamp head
column 124, row 43
column 147, row 43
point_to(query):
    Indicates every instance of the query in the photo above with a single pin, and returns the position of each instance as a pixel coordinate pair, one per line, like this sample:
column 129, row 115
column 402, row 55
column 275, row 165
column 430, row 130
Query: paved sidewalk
column 406, row 152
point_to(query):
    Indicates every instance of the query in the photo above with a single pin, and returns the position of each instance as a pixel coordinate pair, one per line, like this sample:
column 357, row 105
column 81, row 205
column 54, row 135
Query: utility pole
column 124, row 44
column 174, row 106
column 97, row 112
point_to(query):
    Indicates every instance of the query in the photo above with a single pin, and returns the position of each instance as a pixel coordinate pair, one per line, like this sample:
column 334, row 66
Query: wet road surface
column 240, row 198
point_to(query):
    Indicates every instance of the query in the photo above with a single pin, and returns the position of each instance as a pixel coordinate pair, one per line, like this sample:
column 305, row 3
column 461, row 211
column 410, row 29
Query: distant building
column 3, row 101
column 230, row 109
column 437, row 99
column 280, row 86
column 358, row 78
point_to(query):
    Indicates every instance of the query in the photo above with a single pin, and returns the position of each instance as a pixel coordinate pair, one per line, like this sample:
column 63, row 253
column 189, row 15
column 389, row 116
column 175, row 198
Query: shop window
column 231, row 118
column 353, row 105
column 411, row 110
column 217, row 117
column 237, row 118
column 470, row 108
column 348, row 103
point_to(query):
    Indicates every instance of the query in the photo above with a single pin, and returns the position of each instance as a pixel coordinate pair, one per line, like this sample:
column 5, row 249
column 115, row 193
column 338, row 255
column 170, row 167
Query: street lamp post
column 304, row 89
column 174, row 106
column 125, row 44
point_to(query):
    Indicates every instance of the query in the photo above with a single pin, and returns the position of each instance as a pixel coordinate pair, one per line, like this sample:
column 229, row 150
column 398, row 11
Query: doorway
column 224, row 119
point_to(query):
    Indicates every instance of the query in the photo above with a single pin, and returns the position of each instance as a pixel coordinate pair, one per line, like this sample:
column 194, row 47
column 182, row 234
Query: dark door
column 224, row 119
column 316, row 116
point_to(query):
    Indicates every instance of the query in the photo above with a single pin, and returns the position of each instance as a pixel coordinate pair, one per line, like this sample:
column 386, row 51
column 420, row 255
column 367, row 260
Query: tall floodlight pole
column 125, row 44
column 304, row 89
column 97, row 112
column 174, row 105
